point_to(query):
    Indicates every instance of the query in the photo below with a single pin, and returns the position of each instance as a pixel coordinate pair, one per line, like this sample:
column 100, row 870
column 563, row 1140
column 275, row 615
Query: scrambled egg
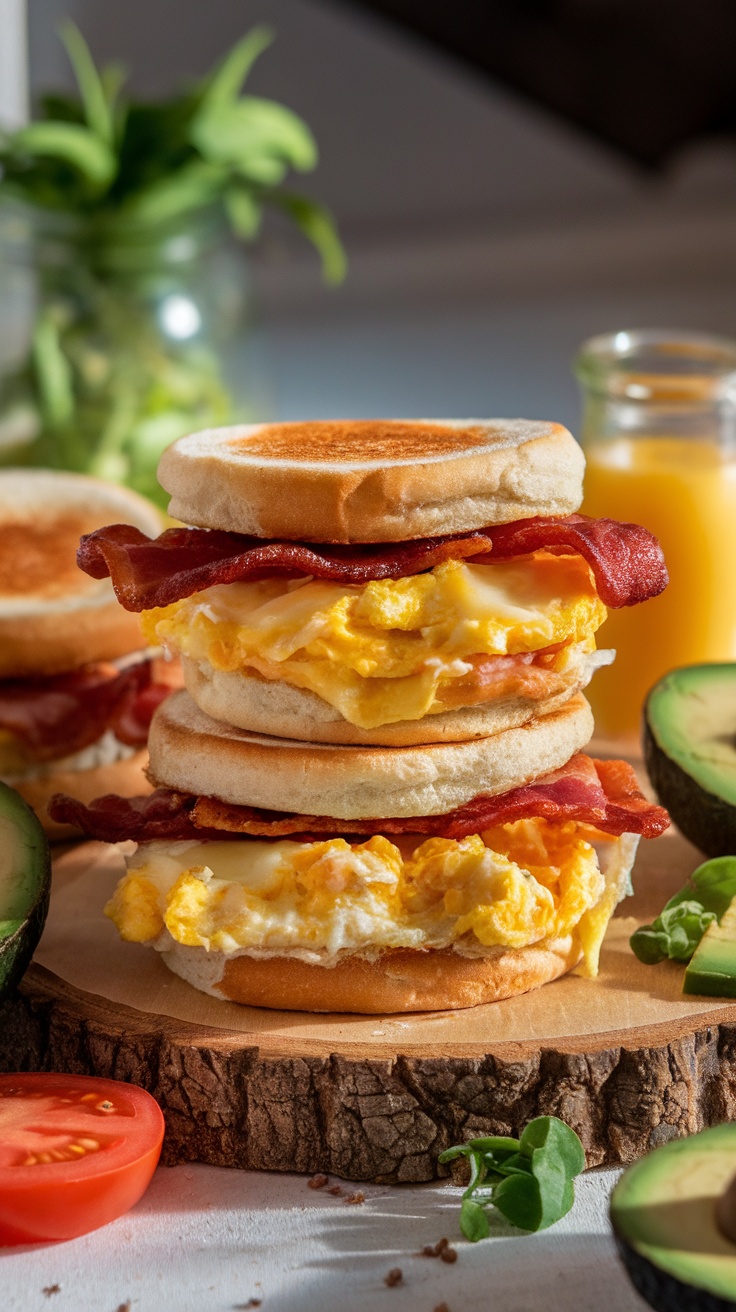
column 382, row 652
column 515, row 885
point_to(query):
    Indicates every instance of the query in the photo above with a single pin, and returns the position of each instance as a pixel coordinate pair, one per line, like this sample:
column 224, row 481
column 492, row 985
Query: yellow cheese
column 384, row 651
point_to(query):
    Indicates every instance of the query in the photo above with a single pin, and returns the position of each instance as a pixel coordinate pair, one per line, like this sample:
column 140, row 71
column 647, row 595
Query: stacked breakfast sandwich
column 373, row 795
column 77, row 688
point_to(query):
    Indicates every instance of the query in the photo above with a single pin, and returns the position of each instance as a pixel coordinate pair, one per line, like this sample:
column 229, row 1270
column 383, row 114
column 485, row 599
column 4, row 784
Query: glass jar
column 119, row 340
column 659, row 434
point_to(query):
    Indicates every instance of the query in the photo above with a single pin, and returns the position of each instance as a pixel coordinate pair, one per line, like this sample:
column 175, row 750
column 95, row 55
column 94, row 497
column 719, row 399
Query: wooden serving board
column 627, row 1060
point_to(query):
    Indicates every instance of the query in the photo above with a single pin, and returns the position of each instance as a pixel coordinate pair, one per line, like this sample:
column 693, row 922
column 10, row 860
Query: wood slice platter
column 627, row 1060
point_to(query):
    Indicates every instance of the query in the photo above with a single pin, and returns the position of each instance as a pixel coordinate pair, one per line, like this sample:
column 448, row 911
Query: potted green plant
column 129, row 209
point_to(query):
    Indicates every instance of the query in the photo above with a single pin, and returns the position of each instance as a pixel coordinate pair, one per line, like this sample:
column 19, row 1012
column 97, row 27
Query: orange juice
column 684, row 490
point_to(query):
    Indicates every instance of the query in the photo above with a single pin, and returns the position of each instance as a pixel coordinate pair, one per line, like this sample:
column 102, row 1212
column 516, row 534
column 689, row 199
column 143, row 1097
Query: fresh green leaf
column 452, row 1154
column 97, row 108
column 529, row 1180
column 494, row 1143
column 473, row 1221
column 243, row 211
column 512, row 1164
column 554, row 1136
column 73, row 144
column 224, row 84
column 190, row 188
column 679, row 927
column 518, row 1198
column 253, row 128
column 555, row 1187
column 65, row 109
column 262, row 170
column 53, row 373
column 715, row 883
column 154, row 143
column 319, row 227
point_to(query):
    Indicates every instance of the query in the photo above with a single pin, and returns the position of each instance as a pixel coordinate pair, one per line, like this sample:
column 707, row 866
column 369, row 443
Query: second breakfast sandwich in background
column 376, row 770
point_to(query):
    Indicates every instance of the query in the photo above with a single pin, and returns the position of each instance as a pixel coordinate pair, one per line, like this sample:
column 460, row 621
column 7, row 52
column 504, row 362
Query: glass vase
column 115, row 341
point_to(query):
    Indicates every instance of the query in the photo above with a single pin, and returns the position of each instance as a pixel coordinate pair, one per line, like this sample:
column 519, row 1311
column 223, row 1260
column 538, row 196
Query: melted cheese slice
column 518, row 884
column 384, row 651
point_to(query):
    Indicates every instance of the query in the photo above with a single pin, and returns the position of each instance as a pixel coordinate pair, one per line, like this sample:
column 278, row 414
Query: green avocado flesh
column 663, row 1215
column 25, row 882
column 690, row 752
column 712, row 969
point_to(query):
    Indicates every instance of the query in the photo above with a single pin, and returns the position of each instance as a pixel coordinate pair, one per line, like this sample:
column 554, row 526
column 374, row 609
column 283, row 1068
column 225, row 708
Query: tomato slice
column 75, row 1153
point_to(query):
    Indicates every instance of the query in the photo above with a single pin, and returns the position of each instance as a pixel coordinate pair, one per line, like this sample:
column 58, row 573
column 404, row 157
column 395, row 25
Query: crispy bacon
column 150, row 572
column 626, row 560
column 58, row 716
column 604, row 794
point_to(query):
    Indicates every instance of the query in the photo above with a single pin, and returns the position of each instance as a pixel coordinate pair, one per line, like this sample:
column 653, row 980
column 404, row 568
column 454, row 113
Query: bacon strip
column 148, row 572
column 626, row 560
column 604, row 794
column 59, row 716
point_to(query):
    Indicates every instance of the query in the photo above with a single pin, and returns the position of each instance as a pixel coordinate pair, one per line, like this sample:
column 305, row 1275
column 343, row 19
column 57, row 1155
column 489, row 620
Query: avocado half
column 690, row 752
column 663, row 1212
column 25, row 885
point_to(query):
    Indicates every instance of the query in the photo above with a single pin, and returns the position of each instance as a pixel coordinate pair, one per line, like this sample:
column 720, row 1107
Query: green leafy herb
column 108, row 158
column 136, row 197
column 529, row 1180
column 681, row 924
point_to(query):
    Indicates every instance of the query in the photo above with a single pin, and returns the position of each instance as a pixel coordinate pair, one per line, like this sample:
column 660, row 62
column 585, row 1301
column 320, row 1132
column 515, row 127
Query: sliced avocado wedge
column 712, row 970
column 663, row 1212
column 25, row 884
column 690, row 752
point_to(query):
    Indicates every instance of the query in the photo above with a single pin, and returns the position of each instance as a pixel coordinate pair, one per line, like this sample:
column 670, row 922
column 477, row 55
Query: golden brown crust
column 372, row 480
column 195, row 754
column 55, row 642
column 54, row 617
column 268, row 706
column 398, row 981
column 126, row 777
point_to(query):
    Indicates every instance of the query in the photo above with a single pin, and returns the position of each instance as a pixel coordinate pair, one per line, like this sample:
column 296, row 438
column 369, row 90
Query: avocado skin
column 663, row 1291
column 708, row 821
column 17, row 949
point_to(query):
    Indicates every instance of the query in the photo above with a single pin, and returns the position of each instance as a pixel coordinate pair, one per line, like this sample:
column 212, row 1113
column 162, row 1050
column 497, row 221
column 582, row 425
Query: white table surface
column 206, row 1239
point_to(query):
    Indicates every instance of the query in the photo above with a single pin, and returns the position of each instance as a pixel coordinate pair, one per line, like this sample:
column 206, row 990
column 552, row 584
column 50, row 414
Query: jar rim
column 645, row 364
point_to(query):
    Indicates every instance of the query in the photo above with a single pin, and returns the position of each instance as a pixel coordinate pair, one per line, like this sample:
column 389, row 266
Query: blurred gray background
column 486, row 237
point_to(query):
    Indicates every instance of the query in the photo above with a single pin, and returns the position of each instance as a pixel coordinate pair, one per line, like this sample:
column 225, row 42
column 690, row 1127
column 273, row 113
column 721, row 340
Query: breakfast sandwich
column 374, row 795
column 386, row 583
column 77, row 687
column 400, row 879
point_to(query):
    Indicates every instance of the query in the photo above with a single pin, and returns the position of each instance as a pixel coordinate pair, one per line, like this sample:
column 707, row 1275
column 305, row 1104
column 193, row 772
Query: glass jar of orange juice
column 659, row 433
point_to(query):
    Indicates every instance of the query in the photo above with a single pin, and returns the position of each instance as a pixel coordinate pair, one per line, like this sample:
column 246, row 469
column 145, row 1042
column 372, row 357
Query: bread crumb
column 448, row 1254
column 48, row 1290
column 358, row 1197
column 442, row 1307
column 394, row 1277
column 318, row 1181
column 336, row 1190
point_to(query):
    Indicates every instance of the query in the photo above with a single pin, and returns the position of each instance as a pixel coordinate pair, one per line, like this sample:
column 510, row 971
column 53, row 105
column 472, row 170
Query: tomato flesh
column 75, row 1153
